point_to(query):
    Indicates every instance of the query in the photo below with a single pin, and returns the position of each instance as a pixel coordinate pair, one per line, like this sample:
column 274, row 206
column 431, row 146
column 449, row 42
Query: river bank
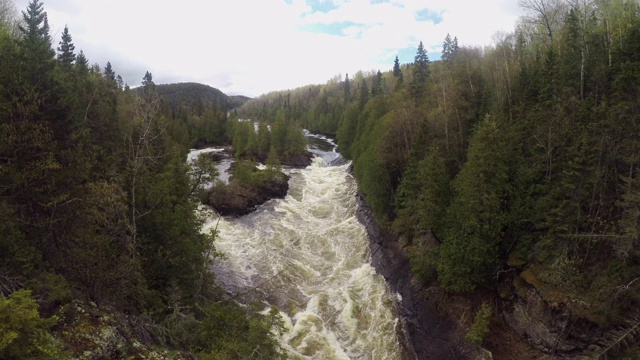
column 428, row 334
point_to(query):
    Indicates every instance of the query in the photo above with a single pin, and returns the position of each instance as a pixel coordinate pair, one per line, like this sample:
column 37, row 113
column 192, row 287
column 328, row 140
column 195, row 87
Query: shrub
column 23, row 333
column 480, row 327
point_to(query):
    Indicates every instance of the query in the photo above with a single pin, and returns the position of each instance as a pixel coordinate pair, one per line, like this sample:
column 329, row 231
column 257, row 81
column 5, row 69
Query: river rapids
column 308, row 255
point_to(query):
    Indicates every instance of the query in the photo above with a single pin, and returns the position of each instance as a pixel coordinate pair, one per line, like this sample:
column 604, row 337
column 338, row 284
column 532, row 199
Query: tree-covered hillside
column 520, row 158
column 99, row 238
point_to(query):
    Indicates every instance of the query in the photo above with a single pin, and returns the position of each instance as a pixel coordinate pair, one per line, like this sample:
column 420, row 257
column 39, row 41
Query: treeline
column 95, row 205
column 201, row 108
column 520, row 157
column 276, row 131
column 281, row 140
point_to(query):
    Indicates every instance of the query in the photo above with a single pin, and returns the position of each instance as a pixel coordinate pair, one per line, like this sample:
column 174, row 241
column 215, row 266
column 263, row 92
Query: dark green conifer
column 110, row 75
column 396, row 68
column 421, row 74
column 363, row 94
column 376, row 87
column 347, row 89
column 82, row 64
column 36, row 43
column 66, row 55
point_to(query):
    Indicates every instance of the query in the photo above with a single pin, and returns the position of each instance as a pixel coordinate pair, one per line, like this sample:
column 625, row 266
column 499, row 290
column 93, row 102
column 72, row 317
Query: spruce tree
column 449, row 48
column 66, row 55
column 347, row 89
column 110, row 75
column 420, row 75
column 397, row 72
column 82, row 64
column 396, row 68
column 363, row 94
column 36, row 44
column 376, row 88
column 474, row 239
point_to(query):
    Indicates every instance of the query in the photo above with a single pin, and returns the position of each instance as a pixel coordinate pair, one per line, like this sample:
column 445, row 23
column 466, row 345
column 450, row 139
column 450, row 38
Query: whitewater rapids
column 309, row 256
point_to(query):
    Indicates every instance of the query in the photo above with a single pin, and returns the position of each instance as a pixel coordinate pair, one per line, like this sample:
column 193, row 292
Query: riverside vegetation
column 101, row 254
column 508, row 168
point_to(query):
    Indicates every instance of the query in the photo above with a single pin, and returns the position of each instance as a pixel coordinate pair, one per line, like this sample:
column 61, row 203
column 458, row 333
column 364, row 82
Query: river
column 308, row 255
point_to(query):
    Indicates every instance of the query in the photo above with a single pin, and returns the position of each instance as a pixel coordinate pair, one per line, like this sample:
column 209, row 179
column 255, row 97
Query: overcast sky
column 250, row 47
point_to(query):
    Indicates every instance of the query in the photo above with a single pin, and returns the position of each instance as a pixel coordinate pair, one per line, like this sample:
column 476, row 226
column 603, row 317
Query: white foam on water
column 311, row 258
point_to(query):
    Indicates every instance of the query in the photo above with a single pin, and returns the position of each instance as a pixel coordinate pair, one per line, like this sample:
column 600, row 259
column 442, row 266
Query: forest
column 99, row 233
column 505, row 167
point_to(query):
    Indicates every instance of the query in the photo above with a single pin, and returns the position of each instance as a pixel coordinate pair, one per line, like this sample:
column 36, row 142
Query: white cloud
column 252, row 47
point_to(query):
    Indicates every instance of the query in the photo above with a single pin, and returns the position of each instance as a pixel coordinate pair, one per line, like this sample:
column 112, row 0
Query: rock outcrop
column 427, row 335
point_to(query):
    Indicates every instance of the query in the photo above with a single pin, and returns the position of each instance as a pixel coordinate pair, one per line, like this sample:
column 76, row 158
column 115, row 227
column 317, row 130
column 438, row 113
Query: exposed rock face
column 553, row 329
column 428, row 334
column 92, row 333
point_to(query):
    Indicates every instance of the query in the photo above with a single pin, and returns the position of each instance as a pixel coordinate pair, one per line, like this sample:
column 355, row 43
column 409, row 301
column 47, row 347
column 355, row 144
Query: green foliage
column 202, row 172
column 23, row 333
column 347, row 131
column 424, row 195
column 420, row 75
column 243, row 174
column 52, row 288
column 479, row 213
column 66, row 55
column 423, row 256
column 273, row 164
column 95, row 195
column 264, row 141
column 449, row 48
column 553, row 175
column 245, row 334
column 480, row 327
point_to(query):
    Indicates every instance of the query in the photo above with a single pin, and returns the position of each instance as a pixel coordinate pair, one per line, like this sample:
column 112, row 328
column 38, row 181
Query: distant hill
column 236, row 101
column 194, row 95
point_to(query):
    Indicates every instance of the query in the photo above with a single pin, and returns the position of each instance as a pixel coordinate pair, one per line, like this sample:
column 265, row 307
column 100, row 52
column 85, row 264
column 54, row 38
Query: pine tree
column 65, row 50
column 421, row 74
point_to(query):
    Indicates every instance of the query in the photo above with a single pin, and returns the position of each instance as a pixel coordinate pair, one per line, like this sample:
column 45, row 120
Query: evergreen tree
column 396, row 68
column 479, row 214
column 110, row 75
column 66, row 55
column 347, row 89
column 449, row 48
column 120, row 82
column 376, row 87
column 421, row 74
column 148, row 86
column 363, row 94
column 264, row 141
column 82, row 64
column 36, row 43
column 397, row 72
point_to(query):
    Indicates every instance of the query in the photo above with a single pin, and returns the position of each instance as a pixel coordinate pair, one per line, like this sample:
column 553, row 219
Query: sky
column 251, row 47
